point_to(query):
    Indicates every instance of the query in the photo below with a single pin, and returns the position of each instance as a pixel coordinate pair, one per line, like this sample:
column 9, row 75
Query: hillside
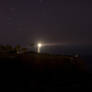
column 27, row 71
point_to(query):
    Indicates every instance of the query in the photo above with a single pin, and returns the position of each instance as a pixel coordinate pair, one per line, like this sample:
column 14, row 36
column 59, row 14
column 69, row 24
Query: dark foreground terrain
column 23, row 73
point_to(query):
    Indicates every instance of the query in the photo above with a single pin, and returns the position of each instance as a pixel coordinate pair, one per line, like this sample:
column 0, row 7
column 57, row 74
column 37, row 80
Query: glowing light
column 39, row 45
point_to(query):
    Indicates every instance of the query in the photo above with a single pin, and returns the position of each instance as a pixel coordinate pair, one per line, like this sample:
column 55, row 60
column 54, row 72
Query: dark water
column 68, row 50
column 85, row 52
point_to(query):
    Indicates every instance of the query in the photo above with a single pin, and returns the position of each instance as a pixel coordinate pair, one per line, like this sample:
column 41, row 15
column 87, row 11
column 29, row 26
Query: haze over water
column 85, row 52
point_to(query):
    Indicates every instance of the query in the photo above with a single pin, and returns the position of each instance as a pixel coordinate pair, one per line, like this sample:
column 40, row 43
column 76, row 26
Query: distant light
column 39, row 45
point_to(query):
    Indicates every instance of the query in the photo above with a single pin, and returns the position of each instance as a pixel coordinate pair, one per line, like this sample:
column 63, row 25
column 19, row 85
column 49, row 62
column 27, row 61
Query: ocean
column 85, row 53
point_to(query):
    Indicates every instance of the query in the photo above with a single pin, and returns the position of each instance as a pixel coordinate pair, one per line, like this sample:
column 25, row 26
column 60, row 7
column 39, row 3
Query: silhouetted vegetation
column 9, row 49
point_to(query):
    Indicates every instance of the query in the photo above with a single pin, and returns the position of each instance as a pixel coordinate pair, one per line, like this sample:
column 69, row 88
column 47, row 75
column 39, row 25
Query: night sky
column 52, row 21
